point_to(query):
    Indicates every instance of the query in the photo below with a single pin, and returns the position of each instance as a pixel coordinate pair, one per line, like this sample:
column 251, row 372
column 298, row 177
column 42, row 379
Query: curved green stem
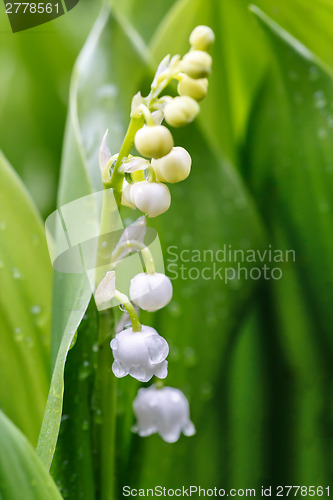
column 146, row 254
column 116, row 181
column 105, row 402
column 123, row 299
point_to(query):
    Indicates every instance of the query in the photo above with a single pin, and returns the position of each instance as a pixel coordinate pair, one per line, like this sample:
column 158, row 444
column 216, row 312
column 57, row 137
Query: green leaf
column 136, row 13
column 289, row 155
column 309, row 22
column 21, row 471
column 295, row 163
column 26, row 277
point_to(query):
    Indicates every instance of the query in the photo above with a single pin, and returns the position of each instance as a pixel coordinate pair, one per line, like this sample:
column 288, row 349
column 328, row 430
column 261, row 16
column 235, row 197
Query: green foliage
column 21, row 471
column 26, row 277
column 254, row 358
column 292, row 179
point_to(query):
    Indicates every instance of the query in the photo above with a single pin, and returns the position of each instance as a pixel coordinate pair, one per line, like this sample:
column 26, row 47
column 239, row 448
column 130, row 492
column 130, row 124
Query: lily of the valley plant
column 139, row 182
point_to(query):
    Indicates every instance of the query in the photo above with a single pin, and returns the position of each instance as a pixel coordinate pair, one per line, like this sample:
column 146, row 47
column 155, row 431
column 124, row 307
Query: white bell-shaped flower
column 165, row 411
column 150, row 291
column 152, row 198
column 140, row 354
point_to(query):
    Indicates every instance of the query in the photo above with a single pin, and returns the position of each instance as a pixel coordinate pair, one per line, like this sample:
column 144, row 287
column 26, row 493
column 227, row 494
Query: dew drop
column 1, row 264
column 320, row 101
column 29, row 341
column 3, row 225
column 85, row 370
column 17, row 275
column 322, row 133
column 36, row 309
column 206, row 391
column 18, row 337
column 174, row 309
column 190, row 356
column 313, row 73
column 85, row 425
column 293, row 76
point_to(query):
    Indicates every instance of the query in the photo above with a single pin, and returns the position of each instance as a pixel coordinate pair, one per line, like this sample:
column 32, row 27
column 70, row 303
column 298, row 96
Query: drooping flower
column 164, row 411
column 150, row 291
column 140, row 354
column 152, row 198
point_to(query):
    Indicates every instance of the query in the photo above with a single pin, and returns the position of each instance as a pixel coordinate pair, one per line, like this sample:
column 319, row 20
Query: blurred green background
column 254, row 357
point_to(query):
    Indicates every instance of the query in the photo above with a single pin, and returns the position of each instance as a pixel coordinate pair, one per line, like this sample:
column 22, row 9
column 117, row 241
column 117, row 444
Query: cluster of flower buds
column 167, row 163
column 140, row 351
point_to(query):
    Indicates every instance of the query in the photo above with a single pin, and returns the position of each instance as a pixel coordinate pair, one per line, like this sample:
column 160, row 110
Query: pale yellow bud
column 202, row 38
column 152, row 198
column 195, row 88
column 154, row 141
column 174, row 167
column 181, row 111
column 196, row 64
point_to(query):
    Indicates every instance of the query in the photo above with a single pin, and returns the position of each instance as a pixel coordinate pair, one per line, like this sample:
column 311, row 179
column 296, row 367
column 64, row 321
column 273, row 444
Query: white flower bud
column 152, row 198
column 174, row 167
column 195, row 88
column 125, row 199
column 140, row 354
column 202, row 38
column 150, row 291
column 164, row 411
column 197, row 64
column 154, row 141
column 181, row 111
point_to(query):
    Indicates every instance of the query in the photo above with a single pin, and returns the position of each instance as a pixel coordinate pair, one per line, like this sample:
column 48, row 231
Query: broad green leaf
column 22, row 474
column 309, row 22
column 289, row 156
column 245, row 405
column 145, row 15
column 100, row 97
column 238, row 64
column 35, row 73
column 295, row 163
column 26, row 284
column 73, row 461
